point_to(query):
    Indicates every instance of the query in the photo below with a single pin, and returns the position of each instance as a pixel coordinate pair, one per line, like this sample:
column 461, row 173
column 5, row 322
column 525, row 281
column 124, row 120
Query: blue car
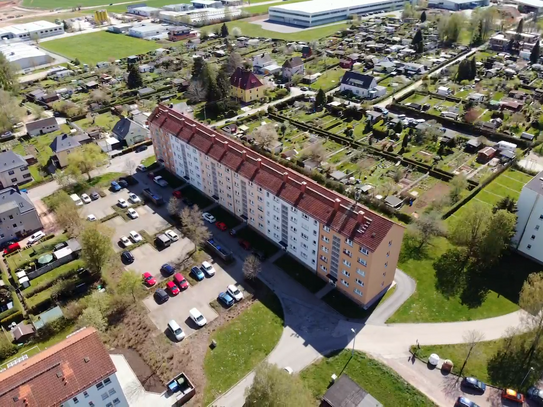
column 226, row 299
column 115, row 187
column 167, row 269
column 197, row 273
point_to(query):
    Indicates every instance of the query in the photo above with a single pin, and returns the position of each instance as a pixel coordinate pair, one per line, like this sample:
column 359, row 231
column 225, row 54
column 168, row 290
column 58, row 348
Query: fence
column 53, row 265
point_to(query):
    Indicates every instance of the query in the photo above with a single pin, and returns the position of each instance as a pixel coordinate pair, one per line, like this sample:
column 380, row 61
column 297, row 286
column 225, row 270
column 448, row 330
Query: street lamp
column 526, row 376
column 354, row 338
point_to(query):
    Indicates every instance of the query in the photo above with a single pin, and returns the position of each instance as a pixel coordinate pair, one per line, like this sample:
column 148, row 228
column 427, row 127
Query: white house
column 43, row 126
column 293, row 66
column 444, row 91
column 363, row 86
column 263, row 64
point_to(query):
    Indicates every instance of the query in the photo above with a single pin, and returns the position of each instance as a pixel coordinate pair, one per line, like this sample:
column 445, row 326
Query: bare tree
column 194, row 227
column 173, row 205
column 472, row 339
column 130, row 167
column 68, row 218
column 197, row 91
column 427, row 226
column 316, row 152
column 265, row 136
column 251, row 268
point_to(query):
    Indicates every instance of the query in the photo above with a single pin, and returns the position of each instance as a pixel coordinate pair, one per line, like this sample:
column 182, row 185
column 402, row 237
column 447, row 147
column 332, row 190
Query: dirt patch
column 149, row 380
column 47, row 217
column 436, row 192
column 367, row 162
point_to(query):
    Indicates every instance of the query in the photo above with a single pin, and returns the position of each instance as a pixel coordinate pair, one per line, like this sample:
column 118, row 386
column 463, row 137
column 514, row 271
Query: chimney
column 337, row 201
column 360, row 217
column 285, row 176
column 303, row 186
column 244, row 155
column 259, row 162
column 212, row 138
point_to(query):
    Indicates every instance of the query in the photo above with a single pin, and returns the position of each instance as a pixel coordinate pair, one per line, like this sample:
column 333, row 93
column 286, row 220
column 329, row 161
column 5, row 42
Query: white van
column 77, row 200
column 197, row 317
column 176, row 330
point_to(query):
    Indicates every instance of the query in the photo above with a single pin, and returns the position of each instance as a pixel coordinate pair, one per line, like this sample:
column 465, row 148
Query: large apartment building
column 339, row 240
column 77, row 371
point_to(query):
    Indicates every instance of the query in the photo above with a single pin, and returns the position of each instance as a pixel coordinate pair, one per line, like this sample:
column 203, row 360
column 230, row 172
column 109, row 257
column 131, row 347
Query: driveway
column 102, row 207
column 149, row 259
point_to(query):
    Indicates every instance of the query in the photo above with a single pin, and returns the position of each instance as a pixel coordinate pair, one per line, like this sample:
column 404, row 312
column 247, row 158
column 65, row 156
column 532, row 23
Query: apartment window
column 529, row 246
column 304, row 245
column 14, row 180
column 91, row 404
column 360, row 282
column 348, row 253
column 99, row 386
column 11, row 216
column 324, row 249
column 362, row 273
column 349, row 242
column 112, row 392
column 304, row 236
column 363, row 262
column 345, row 272
column 388, row 254
column 294, row 210
column 533, row 237
column 85, row 394
column 260, row 198
column 325, row 239
column 304, row 255
column 107, row 381
column 75, row 400
column 116, row 401
column 105, row 396
column 365, row 251
column 358, row 292
column 386, row 265
column 327, row 229
column 11, row 172
column 305, row 216
column 390, row 243
column 323, row 268
column 347, row 263
column 324, row 259
column 345, row 283
column 536, row 227
column 259, row 189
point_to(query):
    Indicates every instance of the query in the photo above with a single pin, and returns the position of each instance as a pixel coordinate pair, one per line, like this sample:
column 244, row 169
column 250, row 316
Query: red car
column 221, row 226
column 245, row 244
column 180, row 281
column 172, row 288
column 148, row 279
column 177, row 194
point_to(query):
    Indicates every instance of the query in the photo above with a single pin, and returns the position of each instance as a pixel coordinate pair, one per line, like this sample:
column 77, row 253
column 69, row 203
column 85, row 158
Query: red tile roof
column 58, row 373
column 244, row 79
column 340, row 213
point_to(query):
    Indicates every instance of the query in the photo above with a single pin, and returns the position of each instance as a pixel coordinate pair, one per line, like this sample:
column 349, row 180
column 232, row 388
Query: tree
column 130, row 166
column 93, row 317
column 407, row 11
column 417, row 42
column 265, row 136
column 423, row 17
column 251, row 267
column 472, row 115
column 316, row 152
column 534, row 55
column 134, row 80
column 468, row 231
column 236, row 32
column 173, row 205
column 197, row 91
column 496, row 237
column 520, row 26
column 85, row 159
column 273, row 387
column 472, row 339
column 68, row 217
column 234, row 61
column 427, row 226
column 531, row 301
column 508, row 204
column 224, row 31
column 8, row 75
column 10, row 111
column 99, row 96
column 96, row 248
column 320, row 99
column 223, row 83
column 130, row 284
column 194, row 227
column 458, row 184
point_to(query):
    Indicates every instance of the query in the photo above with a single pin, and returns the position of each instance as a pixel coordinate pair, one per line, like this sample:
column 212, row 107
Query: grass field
column 68, row 4
column 377, row 379
column 99, row 46
column 241, row 345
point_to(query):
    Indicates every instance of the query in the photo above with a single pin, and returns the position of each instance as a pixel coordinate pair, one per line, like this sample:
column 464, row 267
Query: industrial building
column 319, row 12
column 195, row 16
column 149, row 31
column 29, row 31
column 24, row 55
column 457, row 4
column 149, row 12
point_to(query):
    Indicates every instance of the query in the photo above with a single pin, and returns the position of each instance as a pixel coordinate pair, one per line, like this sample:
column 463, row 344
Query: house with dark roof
column 361, row 85
column 129, row 132
column 263, row 64
column 245, row 86
column 13, row 169
column 76, row 370
column 345, row 392
column 43, row 126
column 292, row 66
column 18, row 214
column 62, row 146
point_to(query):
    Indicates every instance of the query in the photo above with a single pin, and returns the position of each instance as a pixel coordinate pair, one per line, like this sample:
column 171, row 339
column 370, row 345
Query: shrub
column 50, row 329
column 17, row 317
column 7, row 349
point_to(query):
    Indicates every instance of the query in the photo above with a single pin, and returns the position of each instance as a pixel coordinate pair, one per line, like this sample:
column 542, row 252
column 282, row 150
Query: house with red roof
column 245, row 86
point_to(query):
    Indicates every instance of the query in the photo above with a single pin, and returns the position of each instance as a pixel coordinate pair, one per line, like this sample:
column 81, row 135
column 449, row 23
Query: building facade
column 456, row 5
column 75, row 372
column 31, row 31
column 363, row 86
column 43, row 126
column 245, row 86
column 13, row 169
column 340, row 241
column 18, row 215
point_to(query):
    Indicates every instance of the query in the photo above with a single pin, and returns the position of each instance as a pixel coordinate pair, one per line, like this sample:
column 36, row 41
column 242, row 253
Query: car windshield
column 178, row 331
column 235, row 291
column 208, row 267
column 199, row 318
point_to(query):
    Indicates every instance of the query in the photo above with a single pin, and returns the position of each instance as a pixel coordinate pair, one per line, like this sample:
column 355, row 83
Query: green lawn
column 329, row 79
column 68, row 4
column 34, row 252
column 54, row 275
column 104, row 120
column 90, row 49
column 377, row 379
column 300, row 273
column 149, row 161
column 241, row 345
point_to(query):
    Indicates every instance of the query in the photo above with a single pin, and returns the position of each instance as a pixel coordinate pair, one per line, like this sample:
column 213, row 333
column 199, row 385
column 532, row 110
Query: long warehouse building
column 319, row 12
column 341, row 241
column 31, row 31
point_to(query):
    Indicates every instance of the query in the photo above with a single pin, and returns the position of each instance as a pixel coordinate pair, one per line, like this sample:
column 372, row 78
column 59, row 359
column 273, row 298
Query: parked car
column 125, row 241
column 176, row 330
column 127, row 257
column 259, row 255
column 122, row 183
column 160, row 181
column 181, row 281
column 141, row 148
column 85, row 198
column 132, row 197
column 59, row 246
column 141, row 168
column 172, row 288
column 234, row 292
column 122, row 203
column 209, row 217
column 197, row 317
column 161, row 296
column 464, row 402
column 148, row 279
column 12, row 247
column 132, row 213
column 174, row 237
column 177, row 194
column 135, row 236
column 188, row 202
column 226, row 299
column 245, row 244
column 94, row 196
column 513, row 395
column 535, row 394
column 129, row 179
column 197, row 273
column 167, row 269
column 221, row 226
column 91, row 218
column 115, row 187
column 36, row 237
column 474, row 384
column 207, row 268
